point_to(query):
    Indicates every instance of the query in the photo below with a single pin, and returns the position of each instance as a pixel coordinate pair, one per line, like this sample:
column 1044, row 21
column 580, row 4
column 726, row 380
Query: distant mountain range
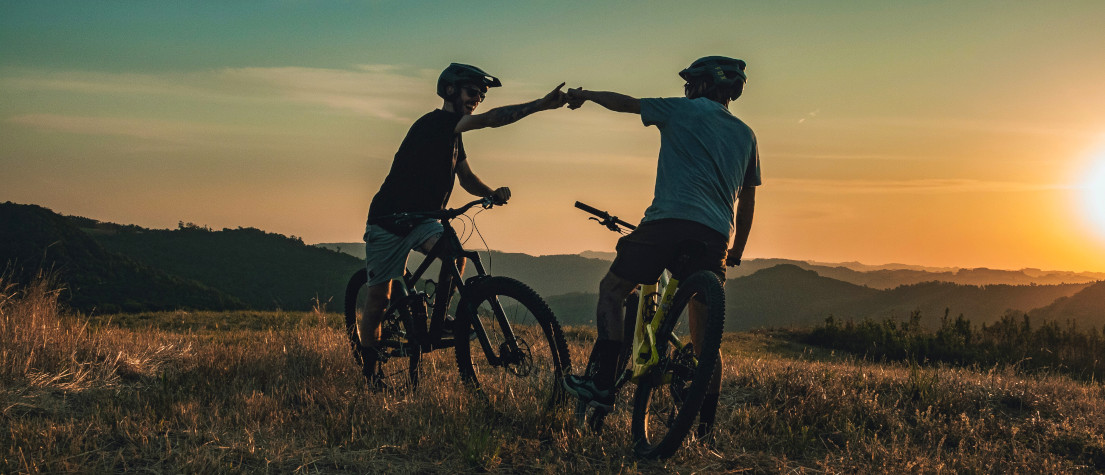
column 894, row 275
column 885, row 276
column 787, row 295
column 108, row 267
column 780, row 292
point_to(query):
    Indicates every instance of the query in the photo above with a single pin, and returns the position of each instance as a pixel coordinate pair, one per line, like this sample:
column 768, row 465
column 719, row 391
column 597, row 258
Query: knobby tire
column 531, row 377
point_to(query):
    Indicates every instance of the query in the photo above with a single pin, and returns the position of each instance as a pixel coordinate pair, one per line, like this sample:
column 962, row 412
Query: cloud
column 171, row 131
column 153, row 135
column 809, row 116
column 383, row 91
column 830, row 156
column 929, row 125
column 922, row 186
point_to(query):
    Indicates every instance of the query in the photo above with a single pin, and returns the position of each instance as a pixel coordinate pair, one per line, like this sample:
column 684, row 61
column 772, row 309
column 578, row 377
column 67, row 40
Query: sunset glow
column 912, row 132
column 1093, row 194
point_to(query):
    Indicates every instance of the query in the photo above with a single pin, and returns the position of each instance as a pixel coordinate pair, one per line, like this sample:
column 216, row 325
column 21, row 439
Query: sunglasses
column 473, row 92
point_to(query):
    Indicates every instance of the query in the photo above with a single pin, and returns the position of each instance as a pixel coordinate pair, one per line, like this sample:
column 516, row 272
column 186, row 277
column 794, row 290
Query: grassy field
column 278, row 392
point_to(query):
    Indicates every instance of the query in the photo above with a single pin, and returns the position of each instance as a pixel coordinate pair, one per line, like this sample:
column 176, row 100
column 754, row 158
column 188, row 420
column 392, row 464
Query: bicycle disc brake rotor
column 516, row 360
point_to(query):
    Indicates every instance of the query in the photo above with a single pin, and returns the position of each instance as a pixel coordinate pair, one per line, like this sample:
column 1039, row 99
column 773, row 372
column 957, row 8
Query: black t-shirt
column 424, row 169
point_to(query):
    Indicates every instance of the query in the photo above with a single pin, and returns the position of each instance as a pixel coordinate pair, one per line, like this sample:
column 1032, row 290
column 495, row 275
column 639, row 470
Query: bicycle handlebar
column 611, row 222
column 444, row 214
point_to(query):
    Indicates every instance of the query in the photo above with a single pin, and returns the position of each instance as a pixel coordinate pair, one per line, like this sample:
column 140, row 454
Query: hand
column 554, row 99
column 733, row 258
column 575, row 98
column 500, row 196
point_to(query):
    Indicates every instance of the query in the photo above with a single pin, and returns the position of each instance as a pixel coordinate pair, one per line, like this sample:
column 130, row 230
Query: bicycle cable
column 476, row 230
column 463, row 228
column 465, row 233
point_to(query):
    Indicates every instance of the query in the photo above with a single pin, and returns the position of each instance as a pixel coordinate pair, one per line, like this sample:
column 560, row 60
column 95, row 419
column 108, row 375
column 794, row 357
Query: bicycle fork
column 508, row 351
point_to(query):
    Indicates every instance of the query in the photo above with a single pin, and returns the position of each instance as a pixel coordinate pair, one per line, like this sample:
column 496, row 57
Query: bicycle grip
column 592, row 210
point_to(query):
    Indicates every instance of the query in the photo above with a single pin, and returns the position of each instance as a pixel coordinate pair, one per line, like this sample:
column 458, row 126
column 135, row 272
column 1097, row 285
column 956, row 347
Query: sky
column 936, row 133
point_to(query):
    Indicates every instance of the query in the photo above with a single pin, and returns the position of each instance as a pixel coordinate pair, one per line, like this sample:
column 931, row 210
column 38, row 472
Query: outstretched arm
column 746, row 206
column 504, row 115
column 611, row 100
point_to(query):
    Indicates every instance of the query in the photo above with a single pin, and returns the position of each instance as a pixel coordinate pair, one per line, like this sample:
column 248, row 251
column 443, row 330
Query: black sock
column 605, row 354
column 707, row 414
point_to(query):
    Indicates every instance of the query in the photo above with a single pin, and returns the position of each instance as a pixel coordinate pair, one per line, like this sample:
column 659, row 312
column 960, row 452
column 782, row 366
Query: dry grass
column 194, row 399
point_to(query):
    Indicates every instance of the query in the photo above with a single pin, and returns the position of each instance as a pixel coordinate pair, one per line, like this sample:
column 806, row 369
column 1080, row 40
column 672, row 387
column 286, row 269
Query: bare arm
column 504, row 115
column 746, row 206
column 611, row 100
column 472, row 184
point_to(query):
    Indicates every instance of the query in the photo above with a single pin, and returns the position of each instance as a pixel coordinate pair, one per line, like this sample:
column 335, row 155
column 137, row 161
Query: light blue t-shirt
column 706, row 156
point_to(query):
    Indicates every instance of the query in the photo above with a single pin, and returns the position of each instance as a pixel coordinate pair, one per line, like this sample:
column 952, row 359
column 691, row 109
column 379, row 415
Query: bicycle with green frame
column 671, row 376
column 507, row 342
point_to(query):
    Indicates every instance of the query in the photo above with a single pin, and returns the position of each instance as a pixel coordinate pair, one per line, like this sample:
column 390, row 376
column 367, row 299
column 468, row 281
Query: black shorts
column 681, row 246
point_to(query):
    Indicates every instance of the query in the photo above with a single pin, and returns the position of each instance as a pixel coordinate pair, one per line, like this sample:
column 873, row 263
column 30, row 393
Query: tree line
column 1016, row 339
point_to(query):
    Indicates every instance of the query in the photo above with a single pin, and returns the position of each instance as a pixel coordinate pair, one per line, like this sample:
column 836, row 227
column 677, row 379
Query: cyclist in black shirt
column 421, row 179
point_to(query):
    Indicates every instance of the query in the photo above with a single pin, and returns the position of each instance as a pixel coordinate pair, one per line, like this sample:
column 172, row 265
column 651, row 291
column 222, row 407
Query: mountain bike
column 671, row 375
column 507, row 342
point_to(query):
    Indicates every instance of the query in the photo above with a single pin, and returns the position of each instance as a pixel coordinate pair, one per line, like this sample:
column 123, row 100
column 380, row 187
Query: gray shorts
column 386, row 254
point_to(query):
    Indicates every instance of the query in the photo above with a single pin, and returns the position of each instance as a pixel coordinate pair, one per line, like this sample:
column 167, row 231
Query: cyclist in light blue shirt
column 707, row 171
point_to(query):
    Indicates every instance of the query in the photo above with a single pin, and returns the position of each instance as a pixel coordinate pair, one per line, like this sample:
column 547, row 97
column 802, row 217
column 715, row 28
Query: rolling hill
column 264, row 270
column 1086, row 307
column 787, row 295
column 94, row 279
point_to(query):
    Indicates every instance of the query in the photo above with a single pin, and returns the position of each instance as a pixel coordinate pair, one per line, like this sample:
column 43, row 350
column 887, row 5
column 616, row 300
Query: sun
column 1093, row 194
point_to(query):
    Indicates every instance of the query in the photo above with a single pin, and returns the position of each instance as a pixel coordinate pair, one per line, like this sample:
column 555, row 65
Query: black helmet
column 463, row 73
column 721, row 70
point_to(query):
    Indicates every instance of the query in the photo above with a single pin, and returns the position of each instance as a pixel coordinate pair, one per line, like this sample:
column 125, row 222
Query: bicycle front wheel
column 394, row 340
column 669, row 396
column 509, row 345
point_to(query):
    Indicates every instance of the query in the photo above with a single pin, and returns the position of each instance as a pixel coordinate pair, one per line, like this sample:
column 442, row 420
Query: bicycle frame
column 448, row 250
column 651, row 309
column 671, row 381
column 645, row 353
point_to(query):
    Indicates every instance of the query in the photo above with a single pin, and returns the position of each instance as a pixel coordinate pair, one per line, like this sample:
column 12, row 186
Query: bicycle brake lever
column 609, row 223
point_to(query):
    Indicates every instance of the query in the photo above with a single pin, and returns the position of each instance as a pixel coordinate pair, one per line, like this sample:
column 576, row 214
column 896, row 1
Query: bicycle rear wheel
column 518, row 354
column 395, row 341
column 595, row 417
column 669, row 396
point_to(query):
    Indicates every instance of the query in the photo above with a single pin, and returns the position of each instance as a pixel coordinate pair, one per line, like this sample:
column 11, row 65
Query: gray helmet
column 458, row 73
column 721, row 70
